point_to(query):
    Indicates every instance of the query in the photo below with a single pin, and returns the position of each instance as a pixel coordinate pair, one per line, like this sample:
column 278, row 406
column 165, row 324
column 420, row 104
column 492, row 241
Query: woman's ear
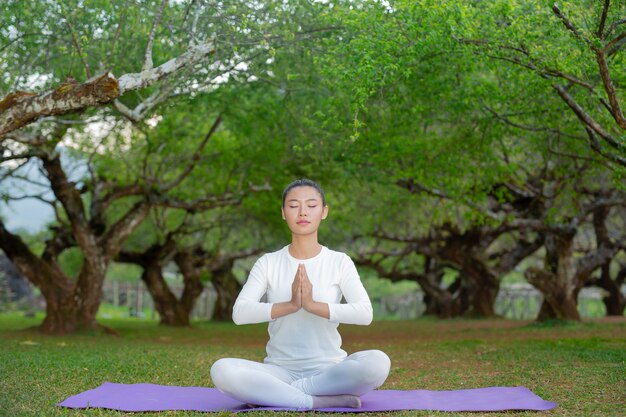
column 325, row 212
column 282, row 211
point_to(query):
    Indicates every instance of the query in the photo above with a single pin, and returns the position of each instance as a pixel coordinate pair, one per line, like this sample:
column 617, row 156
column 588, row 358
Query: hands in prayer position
column 301, row 297
column 302, row 290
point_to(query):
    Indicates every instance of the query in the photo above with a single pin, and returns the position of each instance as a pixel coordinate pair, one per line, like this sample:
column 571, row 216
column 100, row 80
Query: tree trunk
column 484, row 290
column 483, row 301
column 481, row 285
column 444, row 303
column 76, row 310
column 614, row 301
column 557, row 281
column 557, row 308
column 444, row 307
column 171, row 311
column 191, row 277
column 227, row 288
column 465, row 251
column 70, row 307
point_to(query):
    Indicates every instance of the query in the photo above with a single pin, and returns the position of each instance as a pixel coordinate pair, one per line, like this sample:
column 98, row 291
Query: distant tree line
column 458, row 142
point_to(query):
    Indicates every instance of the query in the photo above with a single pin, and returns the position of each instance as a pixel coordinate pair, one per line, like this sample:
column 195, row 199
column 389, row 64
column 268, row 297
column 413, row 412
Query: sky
column 30, row 214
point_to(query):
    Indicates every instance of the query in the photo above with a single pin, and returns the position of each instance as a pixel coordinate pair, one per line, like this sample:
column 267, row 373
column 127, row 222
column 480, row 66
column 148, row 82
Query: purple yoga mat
column 151, row 397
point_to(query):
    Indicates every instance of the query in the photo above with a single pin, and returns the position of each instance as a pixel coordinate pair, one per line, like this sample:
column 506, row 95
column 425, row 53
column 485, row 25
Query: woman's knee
column 221, row 373
column 376, row 366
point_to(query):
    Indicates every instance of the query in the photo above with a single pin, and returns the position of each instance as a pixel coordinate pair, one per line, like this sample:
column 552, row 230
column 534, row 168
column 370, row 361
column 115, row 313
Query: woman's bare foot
column 336, row 401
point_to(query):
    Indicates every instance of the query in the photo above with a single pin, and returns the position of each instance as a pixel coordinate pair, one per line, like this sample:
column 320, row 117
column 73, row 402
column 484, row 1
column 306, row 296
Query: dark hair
column 304, row 182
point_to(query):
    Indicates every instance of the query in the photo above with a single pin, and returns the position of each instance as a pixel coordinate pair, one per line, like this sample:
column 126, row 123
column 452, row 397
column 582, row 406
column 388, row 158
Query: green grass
column 580, row 366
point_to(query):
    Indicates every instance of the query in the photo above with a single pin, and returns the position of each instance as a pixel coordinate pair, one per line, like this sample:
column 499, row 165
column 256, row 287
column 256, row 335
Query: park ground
column 580, row 366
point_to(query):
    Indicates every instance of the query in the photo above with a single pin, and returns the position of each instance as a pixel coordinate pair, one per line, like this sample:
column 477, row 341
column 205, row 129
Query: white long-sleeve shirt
column 304, row 341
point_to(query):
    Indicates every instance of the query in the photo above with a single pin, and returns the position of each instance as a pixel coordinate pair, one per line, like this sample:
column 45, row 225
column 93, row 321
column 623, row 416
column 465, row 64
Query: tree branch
column 416, row 188
column 220, row 260
column 510, row 259
column 392, row 274
column 597, row 147
column 593, row 260
column 615, row 25
column 75, row 41
column 603, row 203
column 39, row 197
column 194, row 158
column 61, row 239
column 37, row 270
column 119, row 231
column 125, row 111
column 193, row 55
column 605, row 11
column 613, row 46
column 609, row 87
column 145, row 106
column 26, row 155
column 25, row 35
column 99, row 205
column 508, row 121
column 569, row 25
column 116, row 36
column 545, row 72
column 199, row 204
column 11, row 172
column 586, row 118
column 21, row 108
column 147, row 61
column 70, row 198
column 25, row 138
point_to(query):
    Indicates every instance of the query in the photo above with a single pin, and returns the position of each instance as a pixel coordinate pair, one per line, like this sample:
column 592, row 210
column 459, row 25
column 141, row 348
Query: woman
column 304, row 282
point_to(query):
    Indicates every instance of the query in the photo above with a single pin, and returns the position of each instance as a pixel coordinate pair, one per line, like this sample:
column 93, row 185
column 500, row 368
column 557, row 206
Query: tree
column 578, row 57
column 478, row 132
column 70, row 304
column 563, row 274
column 580, row 53
column 73, row 304
column 181, row 36
column 202, row 251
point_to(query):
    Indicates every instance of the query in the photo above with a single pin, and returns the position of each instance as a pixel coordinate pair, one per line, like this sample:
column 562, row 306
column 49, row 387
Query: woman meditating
column 304, row 282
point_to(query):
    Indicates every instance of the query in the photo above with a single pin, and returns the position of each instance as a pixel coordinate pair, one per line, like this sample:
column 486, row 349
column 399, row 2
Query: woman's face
column 304, row 210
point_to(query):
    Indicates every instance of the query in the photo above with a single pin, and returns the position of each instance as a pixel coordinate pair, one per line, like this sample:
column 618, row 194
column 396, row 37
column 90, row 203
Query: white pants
column 270, row 385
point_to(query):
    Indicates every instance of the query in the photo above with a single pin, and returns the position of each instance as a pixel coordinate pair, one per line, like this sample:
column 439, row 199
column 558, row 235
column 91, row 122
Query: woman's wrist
column 284, row 309
column 317, row 308
column 294, row 307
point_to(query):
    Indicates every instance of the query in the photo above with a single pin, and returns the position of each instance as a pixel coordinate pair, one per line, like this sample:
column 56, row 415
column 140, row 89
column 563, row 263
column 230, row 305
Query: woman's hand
column 293, row 305
column 306, row 286
column 310, row 305
column 296, row 289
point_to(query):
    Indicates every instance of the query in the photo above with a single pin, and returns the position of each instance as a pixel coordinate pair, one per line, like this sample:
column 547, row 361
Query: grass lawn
column 582, row 367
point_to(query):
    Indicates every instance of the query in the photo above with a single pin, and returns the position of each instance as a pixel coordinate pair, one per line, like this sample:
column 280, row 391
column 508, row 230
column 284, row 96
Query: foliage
column 415, row 115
